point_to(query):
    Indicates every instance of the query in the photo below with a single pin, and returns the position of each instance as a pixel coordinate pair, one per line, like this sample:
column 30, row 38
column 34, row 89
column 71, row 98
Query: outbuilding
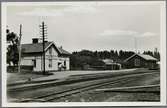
column 141, row 61
column 111, row 65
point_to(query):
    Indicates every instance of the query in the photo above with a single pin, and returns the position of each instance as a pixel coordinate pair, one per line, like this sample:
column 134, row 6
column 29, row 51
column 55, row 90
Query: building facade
column 141, row 61
column 56, row 58
column 111, row 65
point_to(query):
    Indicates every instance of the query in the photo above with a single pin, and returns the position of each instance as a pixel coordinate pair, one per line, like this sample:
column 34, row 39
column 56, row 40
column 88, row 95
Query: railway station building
column 56, row 58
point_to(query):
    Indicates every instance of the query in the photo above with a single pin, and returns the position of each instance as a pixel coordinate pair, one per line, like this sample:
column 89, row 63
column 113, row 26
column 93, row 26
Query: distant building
column 56, row 58
column 111, row 65
column 106, row 64
column 141, row 61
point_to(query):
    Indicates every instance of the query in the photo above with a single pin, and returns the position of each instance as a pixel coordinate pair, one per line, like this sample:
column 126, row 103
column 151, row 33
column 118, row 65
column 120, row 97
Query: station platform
column 15, row 78
column 63, row 74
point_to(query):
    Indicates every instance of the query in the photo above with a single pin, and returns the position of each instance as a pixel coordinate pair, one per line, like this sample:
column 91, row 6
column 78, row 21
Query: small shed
column 111, row 65
column 141, row 61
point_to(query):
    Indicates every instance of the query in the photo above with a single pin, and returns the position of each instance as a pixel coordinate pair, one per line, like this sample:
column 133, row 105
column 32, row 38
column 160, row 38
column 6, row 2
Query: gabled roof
column 62, row 51
column 144, row 56
column 34, row 48
column 147, row 57
column 38, row 48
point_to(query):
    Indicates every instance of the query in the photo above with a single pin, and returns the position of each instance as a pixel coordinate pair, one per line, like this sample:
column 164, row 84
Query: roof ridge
column 35, row 43
column 37, row 47
column 144, row 56
column 130, row 57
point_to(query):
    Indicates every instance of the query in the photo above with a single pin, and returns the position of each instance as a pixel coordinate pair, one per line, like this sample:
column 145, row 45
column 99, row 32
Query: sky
column 91, row 26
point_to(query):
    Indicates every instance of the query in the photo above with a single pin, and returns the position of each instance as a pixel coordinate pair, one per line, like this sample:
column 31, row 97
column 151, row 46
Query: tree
column 12, row 48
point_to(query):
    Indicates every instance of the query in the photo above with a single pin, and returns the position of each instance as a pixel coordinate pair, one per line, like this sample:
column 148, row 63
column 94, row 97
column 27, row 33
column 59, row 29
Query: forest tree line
column 94, row 58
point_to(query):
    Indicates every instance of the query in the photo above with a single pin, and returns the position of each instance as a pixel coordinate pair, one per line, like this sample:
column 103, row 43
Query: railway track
column 85, row 87
column 69, row 80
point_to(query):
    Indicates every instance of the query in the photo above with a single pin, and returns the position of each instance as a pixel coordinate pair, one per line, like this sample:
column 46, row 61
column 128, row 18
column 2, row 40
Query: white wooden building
column 56, row 58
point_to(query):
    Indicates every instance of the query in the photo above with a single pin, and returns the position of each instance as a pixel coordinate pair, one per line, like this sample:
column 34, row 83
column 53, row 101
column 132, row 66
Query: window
column 50, row 62
column 34, row 62
column 137, row 62
column 50, row 51
column 64, row 63
column 59, row 66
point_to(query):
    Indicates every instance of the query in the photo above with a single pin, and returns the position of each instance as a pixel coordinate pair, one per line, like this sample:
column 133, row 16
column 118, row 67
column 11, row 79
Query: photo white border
column 51, row 104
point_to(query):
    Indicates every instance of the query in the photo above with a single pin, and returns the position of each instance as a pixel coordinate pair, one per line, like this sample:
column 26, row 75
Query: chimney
column 34, row 40
column 61, row 47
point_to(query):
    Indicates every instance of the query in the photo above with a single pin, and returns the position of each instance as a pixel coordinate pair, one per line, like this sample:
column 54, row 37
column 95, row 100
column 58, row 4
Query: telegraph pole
column 43, row 41
column 20, row 34
column 43, row 27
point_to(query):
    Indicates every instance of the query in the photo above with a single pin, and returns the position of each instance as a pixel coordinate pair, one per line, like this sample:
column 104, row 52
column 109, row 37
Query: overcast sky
column 92, row 26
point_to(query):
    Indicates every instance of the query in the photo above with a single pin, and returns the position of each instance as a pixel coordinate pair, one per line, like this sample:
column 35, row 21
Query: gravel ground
column 134, row 97
column 92, row 96
column 151, row 79
column 16, row 77
column 21, row 77
column 111, row 97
